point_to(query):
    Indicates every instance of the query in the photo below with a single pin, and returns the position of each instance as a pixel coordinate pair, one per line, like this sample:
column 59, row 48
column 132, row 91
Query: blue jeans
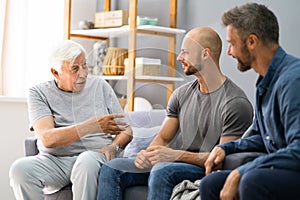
column 120, row 173
column 258, row 184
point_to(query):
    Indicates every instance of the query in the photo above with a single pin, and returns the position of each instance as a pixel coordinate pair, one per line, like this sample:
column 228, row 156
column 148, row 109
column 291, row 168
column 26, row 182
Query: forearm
column 166, row 133
column 252, row 143
column 193, row 158
column 63, row 136
column 123, row 138
column 59, row 137
column 286, row 158
column 158, row 141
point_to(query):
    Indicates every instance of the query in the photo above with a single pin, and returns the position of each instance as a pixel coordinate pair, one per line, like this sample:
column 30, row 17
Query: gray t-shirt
column 67, row 108
column 204, row 118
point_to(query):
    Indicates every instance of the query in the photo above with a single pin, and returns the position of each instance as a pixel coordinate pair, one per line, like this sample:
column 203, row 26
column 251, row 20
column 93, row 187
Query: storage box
column 145, row 66
column 114, row 18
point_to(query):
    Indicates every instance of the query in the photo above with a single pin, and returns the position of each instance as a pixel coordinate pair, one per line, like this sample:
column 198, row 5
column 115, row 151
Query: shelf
column 124, row 30
column 160, row 79
column 132, row 31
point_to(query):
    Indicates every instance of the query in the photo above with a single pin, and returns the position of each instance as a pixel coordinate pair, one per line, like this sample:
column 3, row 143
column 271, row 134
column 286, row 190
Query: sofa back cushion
column 145, row 125
column 145, row 119
column 142, row 137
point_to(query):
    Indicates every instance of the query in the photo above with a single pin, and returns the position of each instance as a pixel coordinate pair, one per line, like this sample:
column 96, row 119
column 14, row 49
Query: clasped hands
column 230, row 187
column 154, row 154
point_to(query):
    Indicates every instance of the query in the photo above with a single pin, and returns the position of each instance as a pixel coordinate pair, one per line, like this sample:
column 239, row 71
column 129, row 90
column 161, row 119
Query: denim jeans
column 120, row 173
column 258, row 184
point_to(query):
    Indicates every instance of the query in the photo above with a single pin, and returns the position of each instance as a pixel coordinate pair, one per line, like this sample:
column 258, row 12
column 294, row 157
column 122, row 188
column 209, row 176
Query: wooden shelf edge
column 146, row 78
column 124, row 30
column 88, row 37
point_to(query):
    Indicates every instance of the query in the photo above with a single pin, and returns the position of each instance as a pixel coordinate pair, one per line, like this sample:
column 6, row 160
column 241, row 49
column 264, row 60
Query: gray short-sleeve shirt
column 204, row 118
column 67, row 108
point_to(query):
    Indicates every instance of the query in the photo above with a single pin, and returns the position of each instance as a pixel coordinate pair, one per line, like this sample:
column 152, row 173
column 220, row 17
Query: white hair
column 67, row 50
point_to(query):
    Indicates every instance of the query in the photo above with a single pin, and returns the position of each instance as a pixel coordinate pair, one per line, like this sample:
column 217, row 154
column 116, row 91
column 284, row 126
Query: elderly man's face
column 73, row 76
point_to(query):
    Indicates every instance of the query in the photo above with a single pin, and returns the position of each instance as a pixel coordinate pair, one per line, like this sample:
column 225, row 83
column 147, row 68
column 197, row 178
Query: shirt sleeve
column 173, row 105
column 37, row 106
column 237, row 116
column 252, row 143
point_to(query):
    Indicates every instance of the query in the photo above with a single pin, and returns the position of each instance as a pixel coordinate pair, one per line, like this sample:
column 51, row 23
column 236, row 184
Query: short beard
column 191, row 71
column 244, row 66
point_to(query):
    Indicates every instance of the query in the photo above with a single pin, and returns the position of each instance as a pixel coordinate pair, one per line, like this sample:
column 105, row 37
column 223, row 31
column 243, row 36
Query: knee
column 207, row 182
column 122, row 164
column 114, row 168
column 116, row 164
column 249, row 181
column 159, row 168
column 86, row 164
column 108, row 174
column 109, row 169
column 212, row 184
column 160, row 172
column 87, row 161
column 19, row 171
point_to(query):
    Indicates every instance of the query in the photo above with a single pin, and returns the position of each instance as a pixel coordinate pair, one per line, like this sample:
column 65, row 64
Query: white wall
column 14, row 129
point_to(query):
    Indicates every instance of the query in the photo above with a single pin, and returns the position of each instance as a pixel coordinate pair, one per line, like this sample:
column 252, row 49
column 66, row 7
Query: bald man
column 205, row 112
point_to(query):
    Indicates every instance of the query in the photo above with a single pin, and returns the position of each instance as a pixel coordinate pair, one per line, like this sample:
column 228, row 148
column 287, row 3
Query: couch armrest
column 30, row 146
column 232, row 161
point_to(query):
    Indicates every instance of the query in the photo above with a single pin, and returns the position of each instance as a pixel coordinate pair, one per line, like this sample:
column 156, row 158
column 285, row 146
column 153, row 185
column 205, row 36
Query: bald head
column 206, row 37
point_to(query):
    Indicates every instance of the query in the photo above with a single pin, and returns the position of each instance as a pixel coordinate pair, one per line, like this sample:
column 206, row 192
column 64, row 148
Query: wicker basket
column 113, row 63
column 113, row 70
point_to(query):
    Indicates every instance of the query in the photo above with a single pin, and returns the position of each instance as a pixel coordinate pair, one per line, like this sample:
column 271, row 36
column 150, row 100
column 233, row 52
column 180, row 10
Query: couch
column 145, row 125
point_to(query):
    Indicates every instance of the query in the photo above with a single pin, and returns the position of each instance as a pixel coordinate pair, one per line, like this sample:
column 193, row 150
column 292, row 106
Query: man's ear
column 252, row 41
column 206, row 53
column 54, row 72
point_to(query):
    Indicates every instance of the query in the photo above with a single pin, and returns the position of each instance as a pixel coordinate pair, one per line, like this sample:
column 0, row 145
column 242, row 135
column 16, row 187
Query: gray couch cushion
column 136, row 192
column 232, row 161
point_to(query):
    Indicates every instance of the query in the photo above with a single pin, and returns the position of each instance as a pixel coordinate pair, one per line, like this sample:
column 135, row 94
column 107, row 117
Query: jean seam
column 118, row 189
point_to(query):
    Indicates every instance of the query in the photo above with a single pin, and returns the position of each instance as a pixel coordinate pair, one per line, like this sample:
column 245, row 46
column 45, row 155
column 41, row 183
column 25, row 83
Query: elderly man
column 74, row 117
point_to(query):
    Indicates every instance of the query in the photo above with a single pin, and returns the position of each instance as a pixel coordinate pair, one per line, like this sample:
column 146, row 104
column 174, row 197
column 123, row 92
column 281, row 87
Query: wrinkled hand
column 109, row 151
column 230, row 188
column 214, row 160
column 109, row 124
column 105, row 123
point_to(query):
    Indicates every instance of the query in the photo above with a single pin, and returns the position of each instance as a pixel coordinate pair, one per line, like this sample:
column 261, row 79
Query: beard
column 244, row 65
column 193, row 69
